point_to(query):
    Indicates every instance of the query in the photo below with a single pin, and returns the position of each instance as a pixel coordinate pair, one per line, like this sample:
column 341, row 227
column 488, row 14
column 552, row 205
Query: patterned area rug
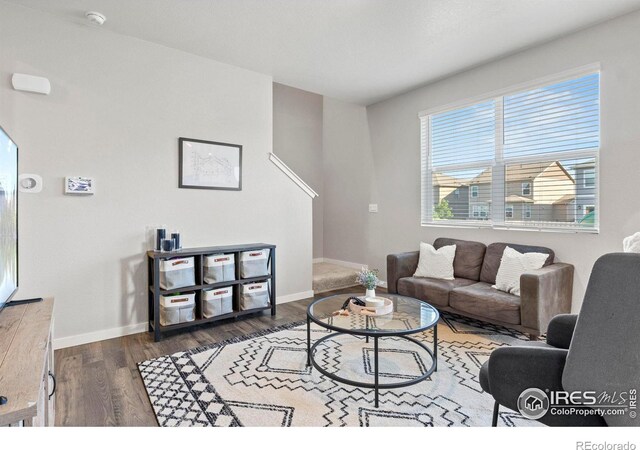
column 262, row 380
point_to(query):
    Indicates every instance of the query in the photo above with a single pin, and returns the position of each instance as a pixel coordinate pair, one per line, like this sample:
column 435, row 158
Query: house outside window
column 533, row 148
column 508, row 212
column 589, row 178
column 480, row 211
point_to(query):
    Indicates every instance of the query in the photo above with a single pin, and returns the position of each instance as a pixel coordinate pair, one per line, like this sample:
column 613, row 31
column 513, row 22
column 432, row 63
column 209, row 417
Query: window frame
column 499, row 164
column 528, row 183
column 585, row 178
column 508, row 209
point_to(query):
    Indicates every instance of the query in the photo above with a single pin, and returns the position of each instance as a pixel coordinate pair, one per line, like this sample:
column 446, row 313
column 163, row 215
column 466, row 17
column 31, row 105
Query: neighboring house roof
column 521, row 172
column 440, row 179
column 567, row 198
column 517, row 199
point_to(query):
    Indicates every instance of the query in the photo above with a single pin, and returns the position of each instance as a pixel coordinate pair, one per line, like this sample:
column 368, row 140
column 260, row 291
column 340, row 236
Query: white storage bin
column 177, row 273
column 216, row 302
column 176, row 309
column 218, row 268
column 254, row 295
column 254, row 263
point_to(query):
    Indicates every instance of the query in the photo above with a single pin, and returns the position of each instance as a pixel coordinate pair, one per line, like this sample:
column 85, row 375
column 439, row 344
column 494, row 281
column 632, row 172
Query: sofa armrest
column 560, row 330
column 545, row 293
column 514, row 369
column 400, row 265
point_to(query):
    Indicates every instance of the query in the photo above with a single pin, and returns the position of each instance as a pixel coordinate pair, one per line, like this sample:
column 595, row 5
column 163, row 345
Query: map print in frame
column 210, row 165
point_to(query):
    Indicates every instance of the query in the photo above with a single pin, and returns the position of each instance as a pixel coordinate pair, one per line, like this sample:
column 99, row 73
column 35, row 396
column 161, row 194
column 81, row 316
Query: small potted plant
column 368, row 279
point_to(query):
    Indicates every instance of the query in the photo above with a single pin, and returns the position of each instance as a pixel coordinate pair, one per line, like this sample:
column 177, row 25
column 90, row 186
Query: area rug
column 262, row 380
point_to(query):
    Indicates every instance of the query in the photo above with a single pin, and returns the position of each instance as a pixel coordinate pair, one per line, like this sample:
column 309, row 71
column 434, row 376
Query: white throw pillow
column 436, row 263
column 512, row 265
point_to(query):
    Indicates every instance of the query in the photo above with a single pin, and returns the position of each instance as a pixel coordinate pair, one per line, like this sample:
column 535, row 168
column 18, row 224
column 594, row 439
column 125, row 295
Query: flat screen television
column 8, row 218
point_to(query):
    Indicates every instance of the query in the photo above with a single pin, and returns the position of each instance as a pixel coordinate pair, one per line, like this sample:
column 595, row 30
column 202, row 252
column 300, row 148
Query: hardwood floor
column 99, row 383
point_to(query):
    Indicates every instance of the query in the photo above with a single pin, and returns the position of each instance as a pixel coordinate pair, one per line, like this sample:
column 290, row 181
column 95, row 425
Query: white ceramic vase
column 370, row 293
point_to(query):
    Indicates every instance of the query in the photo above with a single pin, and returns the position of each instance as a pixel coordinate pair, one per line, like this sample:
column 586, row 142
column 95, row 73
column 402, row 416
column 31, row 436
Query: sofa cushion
column 469, row 256
column 480, row 299
column 431, row 290
column 493, row 256
column 436, row 263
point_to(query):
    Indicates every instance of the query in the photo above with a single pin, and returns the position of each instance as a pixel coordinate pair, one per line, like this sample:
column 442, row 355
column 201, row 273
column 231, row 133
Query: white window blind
column 525, row 159
column 471, row 128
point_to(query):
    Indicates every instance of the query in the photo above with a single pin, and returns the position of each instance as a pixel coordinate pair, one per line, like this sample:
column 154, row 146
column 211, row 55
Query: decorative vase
column 370, row 293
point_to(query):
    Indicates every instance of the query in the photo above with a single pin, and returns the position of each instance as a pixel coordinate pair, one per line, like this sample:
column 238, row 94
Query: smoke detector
column 95, row 17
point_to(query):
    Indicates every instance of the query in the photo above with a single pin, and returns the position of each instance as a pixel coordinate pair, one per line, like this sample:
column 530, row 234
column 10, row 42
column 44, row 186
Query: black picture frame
column 184, row 181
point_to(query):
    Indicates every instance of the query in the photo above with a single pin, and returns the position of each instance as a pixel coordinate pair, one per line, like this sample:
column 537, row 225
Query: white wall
column 116, row 110
column 348, row 173
column 395, row 136
column 297, row 140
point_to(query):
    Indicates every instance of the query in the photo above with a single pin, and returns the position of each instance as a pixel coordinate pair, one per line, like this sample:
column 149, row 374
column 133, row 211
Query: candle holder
column 175, row 237
column 167, row 245
column 161, row 234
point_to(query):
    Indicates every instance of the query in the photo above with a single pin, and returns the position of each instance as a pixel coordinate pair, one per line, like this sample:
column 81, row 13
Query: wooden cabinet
column 27, row 365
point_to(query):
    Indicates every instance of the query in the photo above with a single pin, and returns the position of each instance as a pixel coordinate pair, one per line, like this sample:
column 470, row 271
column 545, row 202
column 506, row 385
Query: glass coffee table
column 409, row 316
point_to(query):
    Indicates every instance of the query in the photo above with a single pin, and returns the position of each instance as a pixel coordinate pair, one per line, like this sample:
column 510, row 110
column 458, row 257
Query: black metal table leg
column 435, row 346
column 366, row 327
column 308, row 342
column 375, row 367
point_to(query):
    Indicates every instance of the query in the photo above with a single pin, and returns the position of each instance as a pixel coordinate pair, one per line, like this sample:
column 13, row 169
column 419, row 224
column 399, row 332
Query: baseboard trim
column 317, row 260
column 101, row 335
column 294, row 297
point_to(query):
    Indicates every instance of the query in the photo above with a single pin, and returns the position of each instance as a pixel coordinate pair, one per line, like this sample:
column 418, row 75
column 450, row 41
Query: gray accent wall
column 348, row 183
column 395, row 142
column 297, row 140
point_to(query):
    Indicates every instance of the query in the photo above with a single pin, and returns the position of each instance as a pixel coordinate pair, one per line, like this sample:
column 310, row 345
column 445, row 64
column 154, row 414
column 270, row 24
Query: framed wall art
column 210, row 165
column 79, row 185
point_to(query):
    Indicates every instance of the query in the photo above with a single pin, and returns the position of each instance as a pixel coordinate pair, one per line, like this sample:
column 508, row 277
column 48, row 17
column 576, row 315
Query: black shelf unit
column 155, row 291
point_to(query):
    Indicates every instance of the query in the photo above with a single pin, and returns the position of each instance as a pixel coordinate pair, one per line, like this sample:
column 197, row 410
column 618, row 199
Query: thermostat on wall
column 30, row 183
column 79, row 185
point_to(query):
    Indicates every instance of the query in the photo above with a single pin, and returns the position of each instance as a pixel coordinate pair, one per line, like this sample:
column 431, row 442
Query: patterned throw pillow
column 512, row 265
column 436, row 263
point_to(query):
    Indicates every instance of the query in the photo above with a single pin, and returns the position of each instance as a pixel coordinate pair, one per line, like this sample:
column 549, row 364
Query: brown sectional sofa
column 544, row 293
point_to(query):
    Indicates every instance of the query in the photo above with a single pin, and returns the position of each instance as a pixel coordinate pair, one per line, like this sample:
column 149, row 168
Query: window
column 528, row 150
column 508, row 212
column 480, row 211
column 589, row 178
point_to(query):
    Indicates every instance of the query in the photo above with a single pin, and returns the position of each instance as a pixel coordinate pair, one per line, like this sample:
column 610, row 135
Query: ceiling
column 361, row 51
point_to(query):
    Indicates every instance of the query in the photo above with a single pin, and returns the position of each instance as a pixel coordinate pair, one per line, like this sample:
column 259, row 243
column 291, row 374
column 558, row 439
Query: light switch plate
column 373, row 207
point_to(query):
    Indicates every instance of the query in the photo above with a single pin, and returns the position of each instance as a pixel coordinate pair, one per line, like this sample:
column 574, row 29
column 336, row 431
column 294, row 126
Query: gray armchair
column 595, row 351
